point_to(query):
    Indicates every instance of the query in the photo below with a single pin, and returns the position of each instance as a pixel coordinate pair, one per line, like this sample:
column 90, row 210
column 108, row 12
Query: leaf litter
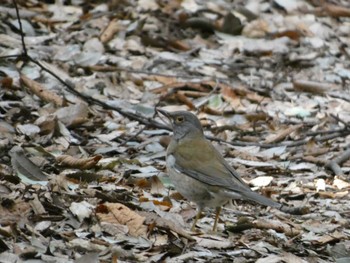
column 82, row 170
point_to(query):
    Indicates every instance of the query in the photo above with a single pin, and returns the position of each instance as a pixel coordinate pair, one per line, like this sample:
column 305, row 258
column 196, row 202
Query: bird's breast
column 191, row 188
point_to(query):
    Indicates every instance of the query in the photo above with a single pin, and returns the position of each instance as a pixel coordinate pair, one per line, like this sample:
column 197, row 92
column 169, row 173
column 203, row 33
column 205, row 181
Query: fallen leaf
column 41, row 92
column 73, row 162
column 120, row 214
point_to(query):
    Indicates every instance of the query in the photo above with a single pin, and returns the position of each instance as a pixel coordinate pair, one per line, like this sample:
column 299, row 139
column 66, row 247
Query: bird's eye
column 179, row 119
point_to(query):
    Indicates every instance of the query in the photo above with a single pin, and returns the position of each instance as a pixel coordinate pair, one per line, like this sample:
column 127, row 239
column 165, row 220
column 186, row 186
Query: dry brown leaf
column 41, row 92
column 165, row 203
column 288, row 229
column 292, row 34
column 281, row 135
column 313, row 86
column 6, row 83
column 121, row 214
column 172, row 83
column 316, row 160
column 258, row 28
column 312, row 149
column 112, row 28
column 80, row 163
column 332, row 237
column 255, row 97
column 47, row 124
column 166, row 80
column 157, row 188
column 194, row 94
column 176, row 196
column 19, row 210
column 257, row 116
column 179, row 44
column 336, row 10
column 152, row 218
column 229, row 94
column 331, row 195
column 211, row 111
column 140, row 182
column 184, row 100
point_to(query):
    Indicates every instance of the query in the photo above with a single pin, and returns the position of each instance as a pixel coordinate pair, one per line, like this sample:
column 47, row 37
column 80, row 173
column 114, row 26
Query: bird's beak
column 165, row 113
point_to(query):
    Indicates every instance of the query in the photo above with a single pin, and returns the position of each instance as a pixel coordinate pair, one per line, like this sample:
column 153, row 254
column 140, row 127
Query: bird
column 199, row 172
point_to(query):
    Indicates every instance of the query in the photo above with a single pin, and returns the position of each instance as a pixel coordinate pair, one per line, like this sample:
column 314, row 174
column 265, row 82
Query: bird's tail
column 253, row 196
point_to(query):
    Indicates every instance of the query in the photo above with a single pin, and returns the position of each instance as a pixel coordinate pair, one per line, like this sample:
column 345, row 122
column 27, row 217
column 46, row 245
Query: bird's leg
column 196, row 219
column 217, row 214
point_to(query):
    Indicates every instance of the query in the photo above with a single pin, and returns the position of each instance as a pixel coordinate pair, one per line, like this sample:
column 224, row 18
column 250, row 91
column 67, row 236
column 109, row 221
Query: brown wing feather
column 216, row 173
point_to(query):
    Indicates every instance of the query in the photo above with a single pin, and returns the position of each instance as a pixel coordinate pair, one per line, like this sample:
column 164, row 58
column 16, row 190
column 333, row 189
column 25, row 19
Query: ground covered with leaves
column 82, row 163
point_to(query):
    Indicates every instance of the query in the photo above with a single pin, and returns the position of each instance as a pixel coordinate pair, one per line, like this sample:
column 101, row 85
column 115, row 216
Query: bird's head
column 184, row 123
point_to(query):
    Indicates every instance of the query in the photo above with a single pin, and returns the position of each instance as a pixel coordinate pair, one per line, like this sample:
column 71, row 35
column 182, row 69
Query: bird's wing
column 211, row 168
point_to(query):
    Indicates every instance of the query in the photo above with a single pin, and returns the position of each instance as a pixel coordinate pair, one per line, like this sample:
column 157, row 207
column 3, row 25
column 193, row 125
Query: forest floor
column 82, row 160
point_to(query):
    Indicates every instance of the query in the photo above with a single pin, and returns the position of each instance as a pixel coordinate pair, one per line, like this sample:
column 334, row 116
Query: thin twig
column 11, row 56
column 25, row 53
column 137, row 71
column 334, row 164
column 133, row 136
column 336, row 117
column 285, row 143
